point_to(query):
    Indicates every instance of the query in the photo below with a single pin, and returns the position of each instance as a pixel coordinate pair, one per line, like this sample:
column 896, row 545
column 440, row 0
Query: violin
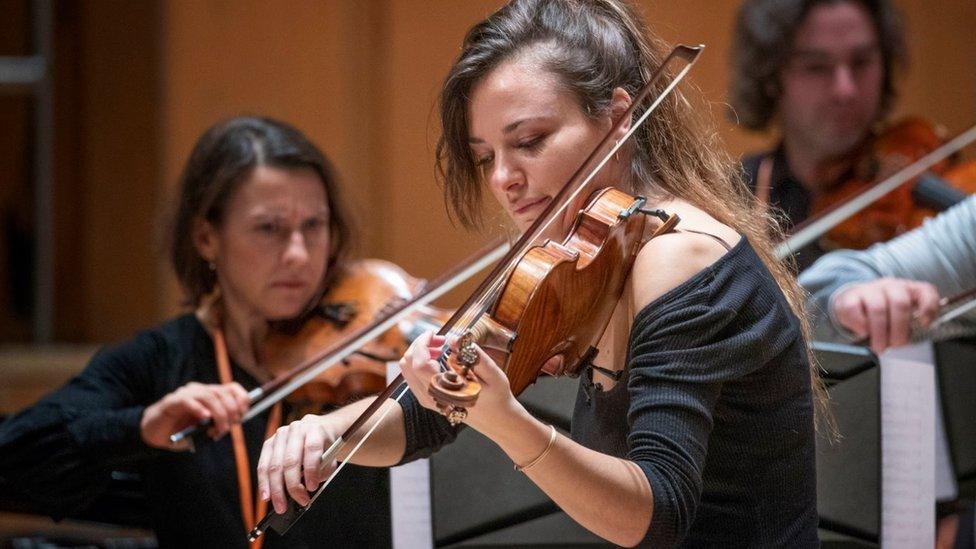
column 929, row 187
column 555, row 303
column 943, row 185
column 356, row 337
column 543, row 307
column 368, row 289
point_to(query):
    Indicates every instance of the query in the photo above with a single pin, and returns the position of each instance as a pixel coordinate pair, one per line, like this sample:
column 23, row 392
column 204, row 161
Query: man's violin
column 941, row 186
column 862, row 197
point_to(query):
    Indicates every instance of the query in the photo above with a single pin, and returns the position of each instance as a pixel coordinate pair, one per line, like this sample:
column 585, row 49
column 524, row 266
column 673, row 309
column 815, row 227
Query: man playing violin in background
column 822, row 73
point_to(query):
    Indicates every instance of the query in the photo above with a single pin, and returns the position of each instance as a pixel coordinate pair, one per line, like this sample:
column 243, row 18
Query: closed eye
column 484, row 161
column 531, row 144
column 268, row 227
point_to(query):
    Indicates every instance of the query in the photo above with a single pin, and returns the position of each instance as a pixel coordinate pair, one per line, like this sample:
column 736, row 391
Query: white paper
column 908, row 442
column 946, row 488
column 410, row 498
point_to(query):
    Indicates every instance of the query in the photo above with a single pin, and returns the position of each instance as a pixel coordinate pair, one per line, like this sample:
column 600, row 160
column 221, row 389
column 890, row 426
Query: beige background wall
column 361, row 79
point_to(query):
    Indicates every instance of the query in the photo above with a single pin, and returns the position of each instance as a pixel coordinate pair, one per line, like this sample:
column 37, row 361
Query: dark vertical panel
column 16, row 218
column 119, row 143
column 15, row 28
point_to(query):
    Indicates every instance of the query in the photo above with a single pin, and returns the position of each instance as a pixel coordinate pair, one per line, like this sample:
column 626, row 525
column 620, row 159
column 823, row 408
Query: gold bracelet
column 552, row 440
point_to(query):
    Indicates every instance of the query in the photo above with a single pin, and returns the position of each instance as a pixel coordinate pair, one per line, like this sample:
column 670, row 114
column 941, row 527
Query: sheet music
column 908, row 421
column 946, row 488
column 410, row 497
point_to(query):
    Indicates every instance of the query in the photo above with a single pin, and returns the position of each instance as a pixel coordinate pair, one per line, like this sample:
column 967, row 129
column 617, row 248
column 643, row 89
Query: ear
column 620, row 101
column 206, row 240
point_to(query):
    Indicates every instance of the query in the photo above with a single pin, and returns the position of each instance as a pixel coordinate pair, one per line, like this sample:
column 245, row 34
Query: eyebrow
column 817, row 53
column 509, row 128
column 324, row 212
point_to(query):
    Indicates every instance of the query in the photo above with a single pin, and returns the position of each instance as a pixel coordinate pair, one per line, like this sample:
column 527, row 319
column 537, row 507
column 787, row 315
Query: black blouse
column 715, row 408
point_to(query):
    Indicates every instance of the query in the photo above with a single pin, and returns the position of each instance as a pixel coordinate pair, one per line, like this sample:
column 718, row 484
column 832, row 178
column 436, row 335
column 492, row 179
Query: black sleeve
column 426, row 430
column 682, row 353
column 59, row 452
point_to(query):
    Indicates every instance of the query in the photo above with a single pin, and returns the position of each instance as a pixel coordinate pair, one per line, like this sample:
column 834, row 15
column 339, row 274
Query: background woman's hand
column 192, row 403
column 883, row 310
column 290, row 462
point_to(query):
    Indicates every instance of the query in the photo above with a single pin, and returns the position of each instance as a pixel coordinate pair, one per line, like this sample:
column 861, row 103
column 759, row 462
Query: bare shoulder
column 666, row 261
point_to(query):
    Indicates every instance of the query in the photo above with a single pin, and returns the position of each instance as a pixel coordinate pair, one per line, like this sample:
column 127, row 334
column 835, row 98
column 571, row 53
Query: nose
column 505, row 176
column 296, row 250
column 844, row 84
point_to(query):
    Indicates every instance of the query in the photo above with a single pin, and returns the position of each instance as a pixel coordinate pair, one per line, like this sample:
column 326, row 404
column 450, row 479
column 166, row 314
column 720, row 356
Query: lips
column 289, row 284
column 526, row 205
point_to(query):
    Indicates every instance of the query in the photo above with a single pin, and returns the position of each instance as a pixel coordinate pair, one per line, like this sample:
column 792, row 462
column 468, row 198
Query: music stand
column 849, row 470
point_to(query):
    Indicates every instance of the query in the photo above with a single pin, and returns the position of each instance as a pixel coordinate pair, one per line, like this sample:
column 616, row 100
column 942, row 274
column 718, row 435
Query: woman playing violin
column 260, row 234
column 694, row 424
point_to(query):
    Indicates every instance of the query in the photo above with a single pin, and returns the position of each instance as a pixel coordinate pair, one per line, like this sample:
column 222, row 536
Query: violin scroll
column 456, row 389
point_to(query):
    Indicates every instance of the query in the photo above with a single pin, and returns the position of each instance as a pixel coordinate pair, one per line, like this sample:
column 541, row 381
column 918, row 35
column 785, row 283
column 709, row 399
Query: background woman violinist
column 707, row 437
column 259, row 235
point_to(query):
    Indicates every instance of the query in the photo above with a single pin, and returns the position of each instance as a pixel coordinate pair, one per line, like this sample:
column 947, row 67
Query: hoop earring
column 212, row 266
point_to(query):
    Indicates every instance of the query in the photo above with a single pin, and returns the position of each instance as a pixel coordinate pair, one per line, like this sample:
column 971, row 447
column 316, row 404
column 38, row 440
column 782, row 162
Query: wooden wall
column 361, row 79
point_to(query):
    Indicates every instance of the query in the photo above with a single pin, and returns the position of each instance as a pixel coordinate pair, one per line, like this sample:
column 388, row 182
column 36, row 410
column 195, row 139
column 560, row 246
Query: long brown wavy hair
column 593, row 47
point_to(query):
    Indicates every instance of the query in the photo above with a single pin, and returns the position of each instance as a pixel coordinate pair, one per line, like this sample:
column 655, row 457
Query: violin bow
column 268, row 394
column 479, row 301
column 813, row 229
column 950, row 308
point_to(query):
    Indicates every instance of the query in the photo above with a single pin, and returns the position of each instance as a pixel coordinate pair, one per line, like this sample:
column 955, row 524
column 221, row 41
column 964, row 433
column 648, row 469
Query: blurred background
column 101, row 101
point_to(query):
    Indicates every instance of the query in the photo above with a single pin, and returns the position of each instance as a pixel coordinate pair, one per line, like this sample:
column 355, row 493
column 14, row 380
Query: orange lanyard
column 243, row 465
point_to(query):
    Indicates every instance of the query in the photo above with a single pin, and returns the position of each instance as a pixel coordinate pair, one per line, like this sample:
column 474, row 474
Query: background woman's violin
column 903, row 209
column 367, row 290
